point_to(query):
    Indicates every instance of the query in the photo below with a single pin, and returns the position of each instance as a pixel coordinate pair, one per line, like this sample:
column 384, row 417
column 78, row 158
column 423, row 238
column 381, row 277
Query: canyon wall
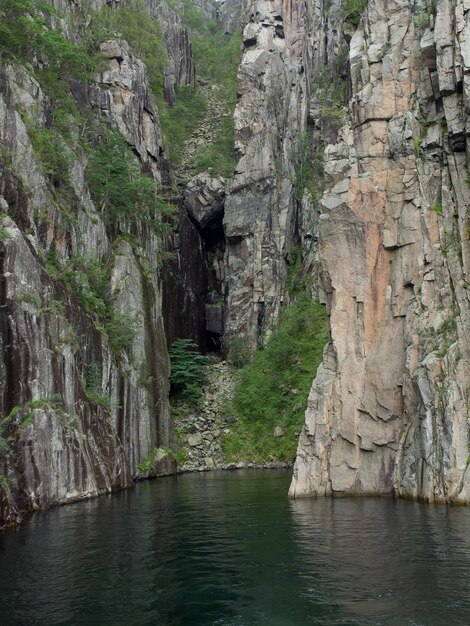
column 79, row 410
column 388, row 411
column 350, row 151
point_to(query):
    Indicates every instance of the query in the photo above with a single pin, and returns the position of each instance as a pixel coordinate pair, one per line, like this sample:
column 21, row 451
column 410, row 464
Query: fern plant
column 188, row 371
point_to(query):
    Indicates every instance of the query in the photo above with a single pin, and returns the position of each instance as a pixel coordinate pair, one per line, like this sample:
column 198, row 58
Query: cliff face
column 180, row 68
column 388, row 411
column 261, row 210
column 351, row 149
column 79, row 410
column 229, row 14
column 382, row 229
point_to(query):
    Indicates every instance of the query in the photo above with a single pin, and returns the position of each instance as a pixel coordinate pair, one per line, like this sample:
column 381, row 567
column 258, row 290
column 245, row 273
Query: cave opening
column 214, row 306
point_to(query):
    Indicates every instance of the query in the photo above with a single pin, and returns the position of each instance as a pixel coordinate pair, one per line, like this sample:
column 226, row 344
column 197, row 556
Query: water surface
column 230, row 549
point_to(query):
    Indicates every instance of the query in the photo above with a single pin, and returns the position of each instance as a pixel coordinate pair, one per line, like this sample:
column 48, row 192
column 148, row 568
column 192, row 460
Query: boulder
column 204, row 198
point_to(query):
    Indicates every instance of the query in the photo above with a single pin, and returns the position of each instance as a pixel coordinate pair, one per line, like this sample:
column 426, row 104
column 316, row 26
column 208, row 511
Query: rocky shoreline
column 200, row 430
column 274, row 465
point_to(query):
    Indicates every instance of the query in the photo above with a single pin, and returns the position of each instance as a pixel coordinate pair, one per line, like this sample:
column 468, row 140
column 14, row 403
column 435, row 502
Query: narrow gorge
column 273, row 180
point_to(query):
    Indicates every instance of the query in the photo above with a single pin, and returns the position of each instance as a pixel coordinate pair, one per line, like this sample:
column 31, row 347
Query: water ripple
column 229, row 549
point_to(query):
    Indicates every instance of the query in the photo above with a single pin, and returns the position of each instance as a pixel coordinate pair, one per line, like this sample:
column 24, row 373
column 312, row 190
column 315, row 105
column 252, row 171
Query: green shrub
column 25, row 34
column 64, row 111
column 93, row 376
column 188, row 371
column 49, row 148
column 21, row 417
column 218, row 157
column 274, row 387
column 295, row 282
column 4, row 236
column 240, row 354
column 422, row 19
column 180, row 455
column 118, row 187
column 352, row 11
column 329, row 86
column 148, row 463
column 100, row 399
column 180, row 120
column 308, row 167
column 89, row 279
column 217, row 57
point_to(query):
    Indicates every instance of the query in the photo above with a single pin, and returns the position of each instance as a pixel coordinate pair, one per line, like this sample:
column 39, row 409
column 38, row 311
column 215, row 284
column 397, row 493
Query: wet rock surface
column 385, row 246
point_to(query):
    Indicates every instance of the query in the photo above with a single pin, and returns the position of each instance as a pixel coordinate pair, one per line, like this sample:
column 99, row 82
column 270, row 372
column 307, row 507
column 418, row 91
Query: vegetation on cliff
column 216, row 54
column 131, row 21
column 273, row 389
column 26, row 34
column 119, row 188
column 31, row 32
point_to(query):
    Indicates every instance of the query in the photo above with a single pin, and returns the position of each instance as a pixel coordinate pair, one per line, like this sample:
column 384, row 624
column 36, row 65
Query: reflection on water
column 386, row 562
column 229, row 549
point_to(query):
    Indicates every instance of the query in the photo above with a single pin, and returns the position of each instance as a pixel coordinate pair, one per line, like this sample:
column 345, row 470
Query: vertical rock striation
column 388, row 410
column 78, row 413
column 229, row 14
column 180, row 68
column 261, row 208
column 386, row 244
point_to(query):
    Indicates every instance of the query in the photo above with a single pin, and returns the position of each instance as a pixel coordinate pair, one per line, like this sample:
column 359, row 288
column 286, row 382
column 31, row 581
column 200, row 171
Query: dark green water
column 230, row 549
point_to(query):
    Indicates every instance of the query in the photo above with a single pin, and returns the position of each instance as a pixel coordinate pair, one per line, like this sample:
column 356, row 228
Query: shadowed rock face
column 388, row 410
column 185, row 285
column 204, row 200
column 63, row 440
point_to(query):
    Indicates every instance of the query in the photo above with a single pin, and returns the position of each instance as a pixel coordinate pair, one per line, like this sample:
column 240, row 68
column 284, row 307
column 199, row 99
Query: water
column 230, row 549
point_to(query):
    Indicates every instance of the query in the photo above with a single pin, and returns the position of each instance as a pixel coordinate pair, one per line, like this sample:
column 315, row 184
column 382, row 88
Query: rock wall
column 185, row 285
column 62, row 440
column 180, row 68
column 261, row 210
column 229, row 14
column 385, row 245
column 388, row 411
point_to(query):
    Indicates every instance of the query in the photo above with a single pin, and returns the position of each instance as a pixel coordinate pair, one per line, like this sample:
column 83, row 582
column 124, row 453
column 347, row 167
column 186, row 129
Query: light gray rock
column 261, row 210
column 80, row 443
column 204, row 200
column 229, row 14
column 387, row 412
column 195, row 440
column 180, row 68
